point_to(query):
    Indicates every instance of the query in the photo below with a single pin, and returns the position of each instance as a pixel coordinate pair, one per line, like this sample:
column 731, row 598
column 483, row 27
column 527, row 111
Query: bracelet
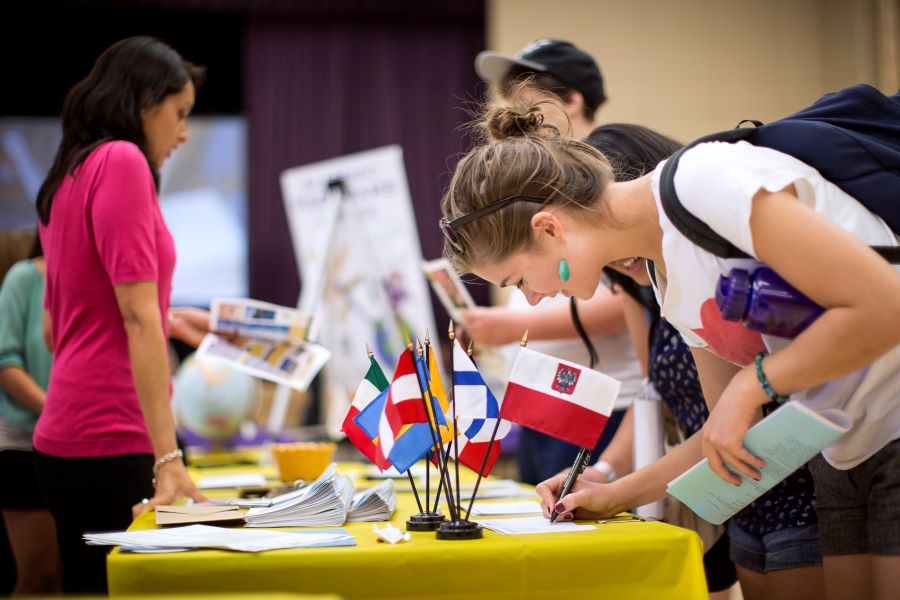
column 607, row 470
column 772, row 394
column 165, row 458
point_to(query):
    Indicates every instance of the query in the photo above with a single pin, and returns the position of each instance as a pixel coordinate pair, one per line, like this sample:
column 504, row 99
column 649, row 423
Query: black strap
column 697, row 231
column 576, row 321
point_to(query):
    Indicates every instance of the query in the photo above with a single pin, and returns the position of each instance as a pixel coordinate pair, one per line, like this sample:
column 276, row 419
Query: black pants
column 87, row 495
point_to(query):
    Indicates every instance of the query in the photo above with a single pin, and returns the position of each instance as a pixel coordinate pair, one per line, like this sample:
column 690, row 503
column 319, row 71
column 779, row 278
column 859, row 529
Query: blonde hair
column 518, row 154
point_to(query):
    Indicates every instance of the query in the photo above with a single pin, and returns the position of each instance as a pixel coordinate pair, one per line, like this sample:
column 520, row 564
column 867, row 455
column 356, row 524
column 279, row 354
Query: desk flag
column 370, row 388
column 404, row 435
column 439, row 403
column 477, row 411
column 562, row 399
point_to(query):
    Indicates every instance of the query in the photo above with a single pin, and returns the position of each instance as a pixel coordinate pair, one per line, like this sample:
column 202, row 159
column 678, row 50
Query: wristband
column 764, row 382
column 165, row 458
column 607, row 470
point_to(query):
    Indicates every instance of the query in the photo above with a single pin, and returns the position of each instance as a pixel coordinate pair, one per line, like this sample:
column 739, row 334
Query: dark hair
column 545, row 82
column 36, row 250
column 133, row 74
column 633, row 151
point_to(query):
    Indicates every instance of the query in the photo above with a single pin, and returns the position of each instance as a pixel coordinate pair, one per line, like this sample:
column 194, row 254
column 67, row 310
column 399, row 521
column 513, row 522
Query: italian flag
column 369, row 389
column 565, row 400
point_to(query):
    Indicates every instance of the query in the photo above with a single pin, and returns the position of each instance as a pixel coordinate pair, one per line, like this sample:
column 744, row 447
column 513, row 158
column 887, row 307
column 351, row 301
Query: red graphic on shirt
column 728, row 339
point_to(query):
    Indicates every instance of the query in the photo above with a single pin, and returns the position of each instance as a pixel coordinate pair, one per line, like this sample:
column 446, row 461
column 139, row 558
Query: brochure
column 786, row 440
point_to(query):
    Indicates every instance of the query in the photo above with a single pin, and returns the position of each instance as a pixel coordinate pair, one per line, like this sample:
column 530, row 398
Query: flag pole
column 409, row 346
column 455, row 423
column 522, row 344
column 446, row 451
column 432, row 426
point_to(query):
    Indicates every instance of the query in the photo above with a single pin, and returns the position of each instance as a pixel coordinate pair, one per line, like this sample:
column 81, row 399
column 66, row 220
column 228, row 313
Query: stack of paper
column 493, row 509
column 177, row 539
column 323, row 503
column 490, row 489
column 375, row 504
column 526, row 525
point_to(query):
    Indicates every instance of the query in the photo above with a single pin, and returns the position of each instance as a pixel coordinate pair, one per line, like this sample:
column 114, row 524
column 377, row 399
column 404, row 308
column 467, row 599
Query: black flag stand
column 459, row 528
column 427, row 520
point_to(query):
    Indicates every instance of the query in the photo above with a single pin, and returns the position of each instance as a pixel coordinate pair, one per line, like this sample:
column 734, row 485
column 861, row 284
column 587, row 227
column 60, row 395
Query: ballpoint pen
column 581, row 461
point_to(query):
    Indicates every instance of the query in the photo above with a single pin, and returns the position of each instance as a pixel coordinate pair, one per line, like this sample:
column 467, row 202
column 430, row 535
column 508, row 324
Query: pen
column 581, row 461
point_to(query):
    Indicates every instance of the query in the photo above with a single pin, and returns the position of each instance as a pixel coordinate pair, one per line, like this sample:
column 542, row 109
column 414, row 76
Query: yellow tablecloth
column 618, row 560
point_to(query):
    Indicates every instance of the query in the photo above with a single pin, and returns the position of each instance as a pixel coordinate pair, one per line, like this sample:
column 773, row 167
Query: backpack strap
column 695, row 230
column 698, row 232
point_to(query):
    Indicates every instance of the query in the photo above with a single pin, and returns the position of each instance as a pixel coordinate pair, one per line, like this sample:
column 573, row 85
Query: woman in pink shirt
column 106, row 437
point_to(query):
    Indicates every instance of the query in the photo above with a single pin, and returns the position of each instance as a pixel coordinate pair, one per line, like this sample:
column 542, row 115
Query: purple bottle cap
column 733, row 294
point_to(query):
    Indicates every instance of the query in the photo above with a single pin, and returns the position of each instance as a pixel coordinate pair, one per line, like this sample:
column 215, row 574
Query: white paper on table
column 490, row 509
column 233, row 480
column 205, row 536
column 527, row 525
column 489, row 490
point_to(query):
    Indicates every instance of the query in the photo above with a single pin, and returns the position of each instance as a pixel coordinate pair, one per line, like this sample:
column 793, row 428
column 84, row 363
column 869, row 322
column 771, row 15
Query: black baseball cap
column 563, row 60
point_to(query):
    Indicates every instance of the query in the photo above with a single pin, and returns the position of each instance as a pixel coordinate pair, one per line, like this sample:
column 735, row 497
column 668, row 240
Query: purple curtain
column 320, row 87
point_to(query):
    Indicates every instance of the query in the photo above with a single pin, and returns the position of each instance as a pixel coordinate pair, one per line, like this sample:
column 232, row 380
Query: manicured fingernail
column 568, row 518
column 559, row 507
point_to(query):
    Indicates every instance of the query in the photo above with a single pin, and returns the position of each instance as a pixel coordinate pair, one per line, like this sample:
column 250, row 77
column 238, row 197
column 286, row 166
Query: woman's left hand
column 173, row 482
column 728, row 422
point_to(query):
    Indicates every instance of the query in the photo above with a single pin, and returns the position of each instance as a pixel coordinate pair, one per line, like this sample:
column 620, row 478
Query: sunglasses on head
column 448, row 227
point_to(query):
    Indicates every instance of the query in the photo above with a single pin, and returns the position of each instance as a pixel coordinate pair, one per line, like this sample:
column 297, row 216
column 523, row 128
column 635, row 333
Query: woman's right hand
column 493, row 325
column 586, row 500
column 188, row 324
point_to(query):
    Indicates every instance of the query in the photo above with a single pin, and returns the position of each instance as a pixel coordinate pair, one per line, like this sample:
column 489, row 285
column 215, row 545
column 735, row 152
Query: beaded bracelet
column 764, row 382
column 165, row 458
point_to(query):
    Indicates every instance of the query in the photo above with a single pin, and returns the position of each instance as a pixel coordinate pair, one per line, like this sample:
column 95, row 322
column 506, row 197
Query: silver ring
column 145, row 501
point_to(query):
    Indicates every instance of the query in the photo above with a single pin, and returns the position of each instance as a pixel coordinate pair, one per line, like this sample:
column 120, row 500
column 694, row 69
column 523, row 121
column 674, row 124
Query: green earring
column 564, row 272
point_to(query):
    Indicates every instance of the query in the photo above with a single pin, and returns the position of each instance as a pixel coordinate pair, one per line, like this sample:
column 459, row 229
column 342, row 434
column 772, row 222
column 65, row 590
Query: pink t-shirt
column 105, row 229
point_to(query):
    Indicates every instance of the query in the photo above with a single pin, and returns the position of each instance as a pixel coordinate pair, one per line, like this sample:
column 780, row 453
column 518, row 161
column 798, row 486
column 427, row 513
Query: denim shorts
column 786, row 548
column 859, row 509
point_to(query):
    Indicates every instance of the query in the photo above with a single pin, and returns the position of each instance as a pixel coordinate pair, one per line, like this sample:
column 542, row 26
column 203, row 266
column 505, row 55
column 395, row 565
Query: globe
column 212, row 398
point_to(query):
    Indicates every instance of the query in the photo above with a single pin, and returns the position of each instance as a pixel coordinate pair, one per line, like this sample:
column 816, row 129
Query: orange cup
column 302, row 460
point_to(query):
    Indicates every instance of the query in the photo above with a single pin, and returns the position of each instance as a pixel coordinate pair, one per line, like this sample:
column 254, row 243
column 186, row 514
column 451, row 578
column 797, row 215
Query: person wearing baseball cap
column 552, row 69
column 559, row 71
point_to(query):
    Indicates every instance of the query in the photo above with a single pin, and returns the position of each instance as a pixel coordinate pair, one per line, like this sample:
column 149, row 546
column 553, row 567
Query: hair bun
column 502, row 122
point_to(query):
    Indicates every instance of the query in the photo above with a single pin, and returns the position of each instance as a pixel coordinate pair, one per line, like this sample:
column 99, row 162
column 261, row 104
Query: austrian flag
column 559, row 398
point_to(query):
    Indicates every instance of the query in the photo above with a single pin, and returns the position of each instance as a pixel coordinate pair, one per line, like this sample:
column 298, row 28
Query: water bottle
column 765, row 302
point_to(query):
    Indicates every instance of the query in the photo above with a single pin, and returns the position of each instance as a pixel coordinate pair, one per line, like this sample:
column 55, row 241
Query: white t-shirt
column 615, row 353
column 716, row 182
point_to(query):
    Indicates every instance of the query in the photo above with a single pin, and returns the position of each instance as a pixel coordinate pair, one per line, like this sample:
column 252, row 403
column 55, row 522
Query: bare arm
column 188, row 325
column 859, row 290
column 48, row 331
column 495, row 326
column 24, row 390
column 150, row 370
column 636, row 322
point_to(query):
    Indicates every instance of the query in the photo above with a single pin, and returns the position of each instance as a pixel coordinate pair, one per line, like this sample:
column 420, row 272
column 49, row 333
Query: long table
column 616, row 560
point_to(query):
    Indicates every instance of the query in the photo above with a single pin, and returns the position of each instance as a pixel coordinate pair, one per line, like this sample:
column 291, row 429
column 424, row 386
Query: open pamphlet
column 174, row 539
column 377, row 503
column 786, row 440
column 265, row 340
column 448, row 287
column 323, row 503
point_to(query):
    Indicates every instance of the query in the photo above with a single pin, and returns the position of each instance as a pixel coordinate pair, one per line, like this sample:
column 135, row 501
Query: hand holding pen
column 581, row 461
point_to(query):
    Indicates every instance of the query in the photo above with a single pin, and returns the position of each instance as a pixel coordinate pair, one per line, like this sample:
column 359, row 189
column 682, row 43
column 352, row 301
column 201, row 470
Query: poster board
column 362, row 277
